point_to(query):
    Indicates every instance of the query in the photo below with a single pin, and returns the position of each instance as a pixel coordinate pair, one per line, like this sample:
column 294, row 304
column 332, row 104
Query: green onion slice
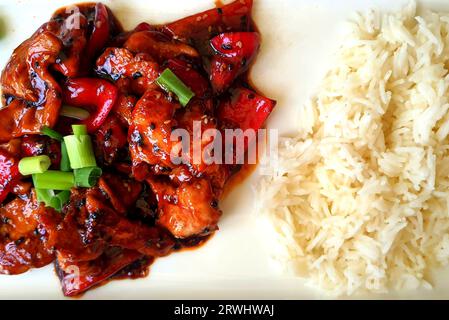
column 36, row 164
column 80, row 151
column 170, row 82
column 59, row 200
column 51, row 133
column 55, row 201
column 54, row 180
column 79, row 129
column 79, row 148
column 65, row 162
column 74, row 112
column 45, row 196
column 87, row 177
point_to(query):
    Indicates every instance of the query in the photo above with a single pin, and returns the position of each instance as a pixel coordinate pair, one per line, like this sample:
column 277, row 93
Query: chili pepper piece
column 234, row 52
column 236, row 44
column 91, row 93
column 100, row 32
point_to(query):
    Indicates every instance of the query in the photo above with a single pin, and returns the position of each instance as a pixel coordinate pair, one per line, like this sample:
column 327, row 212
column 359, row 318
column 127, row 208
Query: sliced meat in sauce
column 93, row 223
column 152, row 124
column 33, row 97
column 27, row 235
column 190, row 209
column 134, row 73
column 110, row 140
column 77, row 277
column 158, row 46
column 123, row 108
column 122, row 193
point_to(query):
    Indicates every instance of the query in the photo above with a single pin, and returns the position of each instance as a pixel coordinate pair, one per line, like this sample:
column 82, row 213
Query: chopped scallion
column 36, row 164
column 74, row 112
column 52, row 133
column 170, row 82
column 65, row 162
column 60, row 199
column 54, row 180
column 79, row 129
column 87, row 177
column 80, row 149
column 45, row 196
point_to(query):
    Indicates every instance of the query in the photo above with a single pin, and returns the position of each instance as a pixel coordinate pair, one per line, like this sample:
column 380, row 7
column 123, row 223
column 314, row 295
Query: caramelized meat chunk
column 109, row 140
column 158, row 46
column 92, row 224
column 27, row 235
column 34, row 95
column 122, row 193
column 77, row 277
column 188, row 210
column 135, row 73
column 152, row 124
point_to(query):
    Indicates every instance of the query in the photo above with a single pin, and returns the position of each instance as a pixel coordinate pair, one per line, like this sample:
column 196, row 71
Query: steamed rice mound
column 360, row 198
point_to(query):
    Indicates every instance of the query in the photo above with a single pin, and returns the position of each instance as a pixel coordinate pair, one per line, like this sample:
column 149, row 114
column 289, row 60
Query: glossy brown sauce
column 238, row 178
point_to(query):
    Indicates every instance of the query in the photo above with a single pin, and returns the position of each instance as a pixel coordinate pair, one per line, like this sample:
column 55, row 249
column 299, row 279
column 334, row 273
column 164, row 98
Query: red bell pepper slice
column 245, row 110
column 234, row 52
column 191, row 78
column 100, row 32
column 236, row 44
column 9, row 173
column 143, row 26
column 96, row 95
column 222, row 73
column 235, row 16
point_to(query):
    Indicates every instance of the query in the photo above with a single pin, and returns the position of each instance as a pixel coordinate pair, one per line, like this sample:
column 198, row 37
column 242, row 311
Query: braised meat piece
column 94, row 224
column 32, row 97
column 27, row 235
column 158, row 46
column 188, row 210
column 135, row 73
column 77, row 277
column 109, row 140
column 149, row 133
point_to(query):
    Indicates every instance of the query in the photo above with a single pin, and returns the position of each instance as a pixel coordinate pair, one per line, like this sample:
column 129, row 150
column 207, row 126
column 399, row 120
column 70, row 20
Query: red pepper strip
column 191, row 78
column 234, row 16
column 245, row 110
column 100, row 32
column 236, row 44
column 143, row 27
column 9, row 173
column 88, row 93
column 234, row 53
column 222, row 73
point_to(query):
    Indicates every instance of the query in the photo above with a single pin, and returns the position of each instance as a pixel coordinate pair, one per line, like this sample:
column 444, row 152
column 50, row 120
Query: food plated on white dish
column 352, row 206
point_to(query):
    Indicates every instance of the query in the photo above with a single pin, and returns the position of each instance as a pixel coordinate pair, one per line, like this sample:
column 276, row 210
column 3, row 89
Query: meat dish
column 87, row 177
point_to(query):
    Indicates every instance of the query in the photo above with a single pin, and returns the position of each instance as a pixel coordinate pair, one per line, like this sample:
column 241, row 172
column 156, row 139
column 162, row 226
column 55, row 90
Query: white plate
column 299, row 38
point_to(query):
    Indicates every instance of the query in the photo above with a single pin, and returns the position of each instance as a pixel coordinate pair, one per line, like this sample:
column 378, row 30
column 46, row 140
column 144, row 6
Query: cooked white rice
column 360, row 198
